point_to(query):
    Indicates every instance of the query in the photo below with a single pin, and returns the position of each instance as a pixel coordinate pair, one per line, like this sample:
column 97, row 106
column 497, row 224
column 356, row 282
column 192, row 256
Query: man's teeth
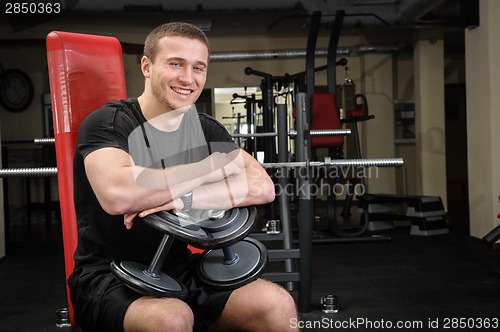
column 184, row 92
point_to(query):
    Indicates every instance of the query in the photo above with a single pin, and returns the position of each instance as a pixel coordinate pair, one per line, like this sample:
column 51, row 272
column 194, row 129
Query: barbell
column 44, row 141
column 293, row 133
column 381, row 162
column 28, row 172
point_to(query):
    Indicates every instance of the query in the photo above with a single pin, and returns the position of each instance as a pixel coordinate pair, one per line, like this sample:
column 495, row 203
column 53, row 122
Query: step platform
column 426, row 213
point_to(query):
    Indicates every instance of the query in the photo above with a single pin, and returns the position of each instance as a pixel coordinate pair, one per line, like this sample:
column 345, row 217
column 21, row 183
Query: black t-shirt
column 103, row 237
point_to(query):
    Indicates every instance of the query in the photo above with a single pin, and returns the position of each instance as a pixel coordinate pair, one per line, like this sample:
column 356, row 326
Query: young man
column 112, row 187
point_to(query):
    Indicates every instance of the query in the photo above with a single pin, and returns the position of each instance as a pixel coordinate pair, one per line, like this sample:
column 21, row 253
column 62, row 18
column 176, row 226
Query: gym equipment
column 493, row 235
column 303, row 150
column 304, row 86
column 293, row 133
column 233, row 266
column 203, row 231
column 324, row 113
column 322, row 109
column 426, row 213
column 273, row 227
column 150, row 280
column 267, row 112
column 76, row 90
column 229, row 263
column 329, row 304
column 62, row 318
column 28, row 172
column 304, row 118
column 287, row 253
column 251, row 103
column 44, row 141
column 383, row 162
column 31, row 171
column 324, row 116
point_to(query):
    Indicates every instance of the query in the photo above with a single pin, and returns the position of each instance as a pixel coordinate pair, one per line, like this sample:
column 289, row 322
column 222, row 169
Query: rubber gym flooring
column 423, row 283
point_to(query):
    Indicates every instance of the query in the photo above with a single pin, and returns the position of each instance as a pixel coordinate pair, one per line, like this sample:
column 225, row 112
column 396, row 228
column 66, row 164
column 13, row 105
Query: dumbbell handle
column 160, row 256
column 230, row 256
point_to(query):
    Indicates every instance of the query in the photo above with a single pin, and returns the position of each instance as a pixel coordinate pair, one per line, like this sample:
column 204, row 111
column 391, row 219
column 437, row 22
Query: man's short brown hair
column 177, row 29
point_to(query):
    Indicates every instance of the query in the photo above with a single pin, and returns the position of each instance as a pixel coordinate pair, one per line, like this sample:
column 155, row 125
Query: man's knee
column 275, row 302
column 179, row 319
column 276, row 307
column 280, row 300
column 166, row 314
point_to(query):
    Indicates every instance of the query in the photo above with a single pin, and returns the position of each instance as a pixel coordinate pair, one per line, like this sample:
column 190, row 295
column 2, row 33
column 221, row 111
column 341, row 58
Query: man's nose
column 186, row 75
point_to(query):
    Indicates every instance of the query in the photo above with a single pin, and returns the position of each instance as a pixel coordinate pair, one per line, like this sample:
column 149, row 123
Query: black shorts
column 100, row 300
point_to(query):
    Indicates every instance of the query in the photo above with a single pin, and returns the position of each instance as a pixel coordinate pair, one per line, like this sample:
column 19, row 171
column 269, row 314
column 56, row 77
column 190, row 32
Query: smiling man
column 175, row 70
column 116, row 179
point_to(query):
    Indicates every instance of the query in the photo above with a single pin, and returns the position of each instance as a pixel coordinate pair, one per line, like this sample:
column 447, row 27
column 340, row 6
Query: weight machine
column 304, row 92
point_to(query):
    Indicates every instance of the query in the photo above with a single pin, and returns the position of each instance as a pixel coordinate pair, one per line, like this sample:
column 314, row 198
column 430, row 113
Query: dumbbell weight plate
column 240, row 222
column 221, row 221
column 206, row 233
column 252, row 260
column 178, row 227
column 134, row 276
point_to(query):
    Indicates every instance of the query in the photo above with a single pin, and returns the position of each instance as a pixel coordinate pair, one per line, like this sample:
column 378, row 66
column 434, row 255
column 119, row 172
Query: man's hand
column 128, row 218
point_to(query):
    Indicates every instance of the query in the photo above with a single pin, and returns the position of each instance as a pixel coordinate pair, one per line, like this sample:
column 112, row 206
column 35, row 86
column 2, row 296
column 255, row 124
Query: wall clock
column 16, row 90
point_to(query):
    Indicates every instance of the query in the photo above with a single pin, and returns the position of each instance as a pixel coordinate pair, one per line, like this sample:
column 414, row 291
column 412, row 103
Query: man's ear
column 145, row 66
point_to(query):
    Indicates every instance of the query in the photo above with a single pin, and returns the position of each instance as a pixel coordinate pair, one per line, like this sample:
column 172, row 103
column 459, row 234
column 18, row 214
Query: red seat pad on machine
column 358, row 112
column 324, row 115
column 85, row 72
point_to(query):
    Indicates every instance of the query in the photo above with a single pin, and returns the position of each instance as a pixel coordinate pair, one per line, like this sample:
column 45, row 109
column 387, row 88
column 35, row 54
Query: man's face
column 179, row 72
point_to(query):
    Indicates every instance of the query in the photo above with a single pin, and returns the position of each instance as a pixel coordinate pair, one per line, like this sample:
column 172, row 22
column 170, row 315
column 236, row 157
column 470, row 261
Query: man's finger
column 128, row 220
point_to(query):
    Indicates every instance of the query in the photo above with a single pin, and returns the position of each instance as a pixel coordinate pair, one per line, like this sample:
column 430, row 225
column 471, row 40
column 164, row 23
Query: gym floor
column 417, row 281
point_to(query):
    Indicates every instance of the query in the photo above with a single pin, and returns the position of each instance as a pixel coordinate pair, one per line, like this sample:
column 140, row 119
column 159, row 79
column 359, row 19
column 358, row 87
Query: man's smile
column 182, row 91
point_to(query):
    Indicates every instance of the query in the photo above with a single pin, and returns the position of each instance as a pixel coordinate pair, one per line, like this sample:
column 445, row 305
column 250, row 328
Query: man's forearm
column 217, row 183
column 169, row 183
column 250, row 187
column 175, row 181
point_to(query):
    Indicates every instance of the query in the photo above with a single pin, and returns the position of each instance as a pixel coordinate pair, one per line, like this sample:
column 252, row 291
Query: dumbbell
column 236, row 261
column 229, row 262
column 150, row 280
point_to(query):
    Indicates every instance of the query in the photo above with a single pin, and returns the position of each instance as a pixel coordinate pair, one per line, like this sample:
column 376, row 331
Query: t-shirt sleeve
column 101, row 129
column 217, row 137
